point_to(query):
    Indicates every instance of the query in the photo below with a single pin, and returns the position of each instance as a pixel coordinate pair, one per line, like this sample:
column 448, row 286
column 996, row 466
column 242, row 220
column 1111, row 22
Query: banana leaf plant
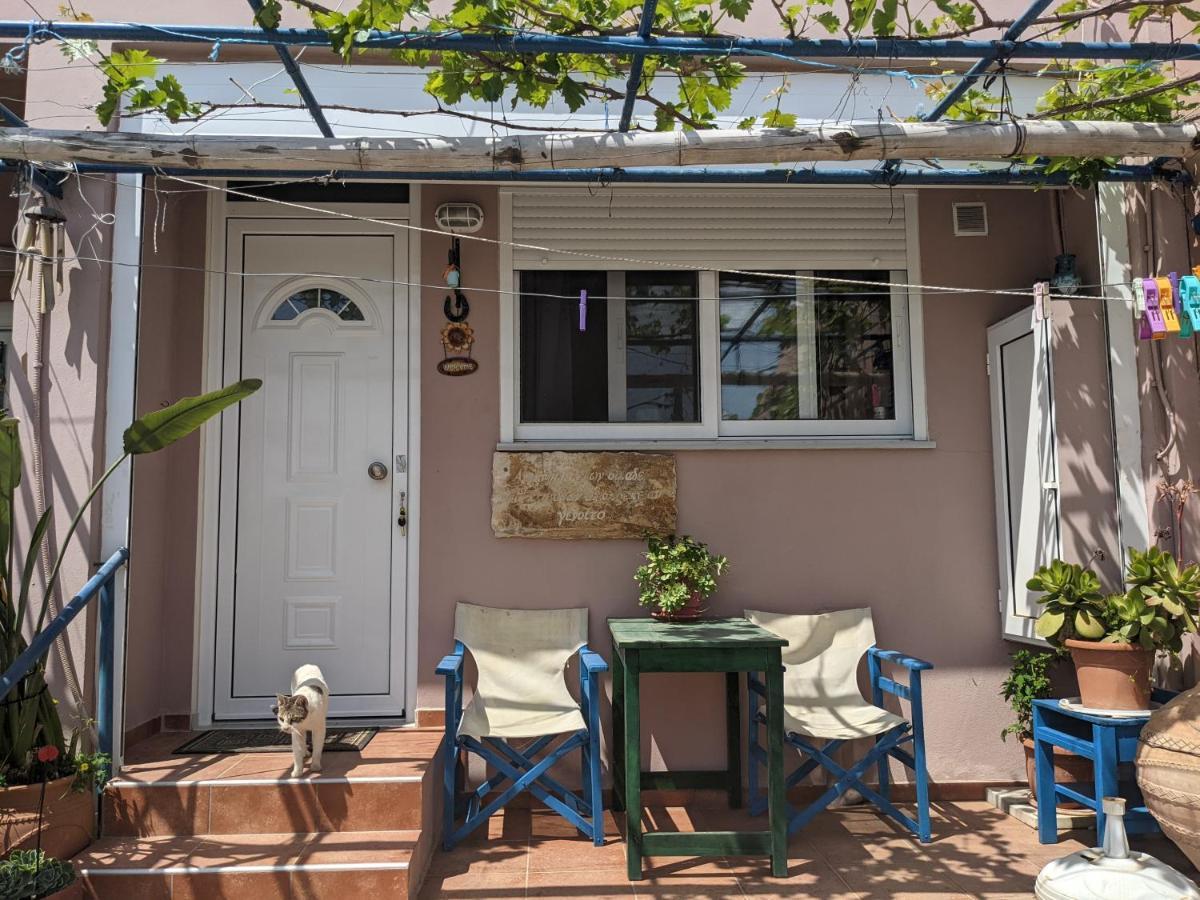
column 29, row 716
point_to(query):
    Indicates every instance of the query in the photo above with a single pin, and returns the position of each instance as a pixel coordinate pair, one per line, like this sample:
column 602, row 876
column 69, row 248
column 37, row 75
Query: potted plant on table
column 1113, row 638
column 48, row 785
column 678, row 575
column 1030, row 679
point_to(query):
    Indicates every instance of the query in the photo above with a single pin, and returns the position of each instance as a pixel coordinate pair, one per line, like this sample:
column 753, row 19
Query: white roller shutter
column 792, row 228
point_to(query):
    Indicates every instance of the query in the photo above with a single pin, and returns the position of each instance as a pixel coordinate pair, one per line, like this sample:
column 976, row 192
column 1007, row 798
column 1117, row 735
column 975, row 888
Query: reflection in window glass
column 760, row 376
column 662, row 361
column 810, row 349
column 854, row 347
column 318, row 298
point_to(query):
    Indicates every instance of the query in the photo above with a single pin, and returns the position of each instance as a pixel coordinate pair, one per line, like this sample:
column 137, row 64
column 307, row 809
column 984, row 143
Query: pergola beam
column 613, row 45
column 635, row 67
column 294, row 72
column 533, row 152
column 706, row 175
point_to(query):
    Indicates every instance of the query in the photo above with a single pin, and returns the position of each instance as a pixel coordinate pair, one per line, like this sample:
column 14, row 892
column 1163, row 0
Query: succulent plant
column 1158, row 607
column 1073, row 603
column 31, row 874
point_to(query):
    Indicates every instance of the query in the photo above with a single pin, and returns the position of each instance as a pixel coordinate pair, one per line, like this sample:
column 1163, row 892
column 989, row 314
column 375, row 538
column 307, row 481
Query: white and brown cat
column 303, row 712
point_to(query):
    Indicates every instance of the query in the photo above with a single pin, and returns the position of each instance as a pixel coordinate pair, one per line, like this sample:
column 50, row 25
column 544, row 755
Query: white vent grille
column 718, row 228
column 970, row 220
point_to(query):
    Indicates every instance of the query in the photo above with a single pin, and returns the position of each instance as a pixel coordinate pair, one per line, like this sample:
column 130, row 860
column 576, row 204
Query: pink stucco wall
column 909, row 532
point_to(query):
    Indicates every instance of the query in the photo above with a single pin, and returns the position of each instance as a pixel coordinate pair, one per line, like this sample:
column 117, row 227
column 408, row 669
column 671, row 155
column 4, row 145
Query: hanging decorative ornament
column 457, row 335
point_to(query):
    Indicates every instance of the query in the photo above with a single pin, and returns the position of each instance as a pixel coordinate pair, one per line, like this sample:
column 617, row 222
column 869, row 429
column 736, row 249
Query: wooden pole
column 799, row 144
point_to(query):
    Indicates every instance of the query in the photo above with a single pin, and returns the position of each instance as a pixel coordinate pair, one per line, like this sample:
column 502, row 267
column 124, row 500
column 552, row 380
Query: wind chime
column 1169, row 305
column 457, row 335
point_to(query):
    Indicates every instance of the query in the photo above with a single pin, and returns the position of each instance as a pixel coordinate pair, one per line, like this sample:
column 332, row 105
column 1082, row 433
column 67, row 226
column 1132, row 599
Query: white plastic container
column 1113, row 872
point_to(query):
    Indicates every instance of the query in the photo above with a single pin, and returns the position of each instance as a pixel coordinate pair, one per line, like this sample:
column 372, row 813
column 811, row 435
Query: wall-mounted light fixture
column 459, row 218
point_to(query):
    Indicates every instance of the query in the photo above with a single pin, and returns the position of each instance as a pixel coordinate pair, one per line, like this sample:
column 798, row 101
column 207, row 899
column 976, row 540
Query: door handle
column 402, row 518
column 377, row 470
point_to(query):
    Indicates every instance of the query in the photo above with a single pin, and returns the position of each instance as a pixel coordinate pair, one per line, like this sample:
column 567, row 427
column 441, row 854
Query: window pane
column 825, row 354
column 854, row 347
column 759, row 370
column 662, row 362
column 564, row 371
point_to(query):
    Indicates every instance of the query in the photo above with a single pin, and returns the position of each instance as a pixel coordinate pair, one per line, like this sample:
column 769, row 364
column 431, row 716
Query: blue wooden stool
column 1108, row 742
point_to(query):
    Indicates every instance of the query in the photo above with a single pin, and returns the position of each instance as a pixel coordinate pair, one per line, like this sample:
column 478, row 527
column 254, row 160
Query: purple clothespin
column 1154, row 316
column 583, row 310
column 1173, row 277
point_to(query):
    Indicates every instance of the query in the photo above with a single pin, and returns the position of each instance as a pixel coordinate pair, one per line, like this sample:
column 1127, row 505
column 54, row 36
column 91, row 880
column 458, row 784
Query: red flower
column 47, row 754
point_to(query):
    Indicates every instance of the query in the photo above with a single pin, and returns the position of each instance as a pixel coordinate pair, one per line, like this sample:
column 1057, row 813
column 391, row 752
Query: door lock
column 402, row 518
column 377, row 470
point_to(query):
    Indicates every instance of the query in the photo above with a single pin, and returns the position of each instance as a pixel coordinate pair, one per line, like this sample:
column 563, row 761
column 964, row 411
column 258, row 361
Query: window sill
column 738, row 443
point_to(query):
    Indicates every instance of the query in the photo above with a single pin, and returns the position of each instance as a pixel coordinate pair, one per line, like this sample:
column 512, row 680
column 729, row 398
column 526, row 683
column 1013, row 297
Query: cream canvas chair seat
column 822, row 702
column 521, row 695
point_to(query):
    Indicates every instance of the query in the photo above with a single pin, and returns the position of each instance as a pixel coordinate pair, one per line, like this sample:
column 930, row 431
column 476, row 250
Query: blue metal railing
column 99, row 584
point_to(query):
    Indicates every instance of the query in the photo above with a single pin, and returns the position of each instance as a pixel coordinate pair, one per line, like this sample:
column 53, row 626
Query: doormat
column 271, row 740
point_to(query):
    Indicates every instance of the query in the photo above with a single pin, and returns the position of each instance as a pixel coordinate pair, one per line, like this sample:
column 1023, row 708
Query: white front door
column 314, row 472
column 1026, row 463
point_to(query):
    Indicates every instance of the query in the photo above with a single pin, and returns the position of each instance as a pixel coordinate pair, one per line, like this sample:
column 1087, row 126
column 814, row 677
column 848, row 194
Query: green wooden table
column 710, row 645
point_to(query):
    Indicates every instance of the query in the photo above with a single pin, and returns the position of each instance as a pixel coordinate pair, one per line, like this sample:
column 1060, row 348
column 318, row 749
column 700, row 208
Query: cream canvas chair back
column 823, row 653
column 521, row 656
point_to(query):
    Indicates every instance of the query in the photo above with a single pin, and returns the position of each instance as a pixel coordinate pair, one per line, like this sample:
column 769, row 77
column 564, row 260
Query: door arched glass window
column 318, row 298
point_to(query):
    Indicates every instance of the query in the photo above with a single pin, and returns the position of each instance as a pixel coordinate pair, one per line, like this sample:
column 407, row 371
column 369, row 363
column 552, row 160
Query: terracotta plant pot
column 689, row 612
column 68, row 818
column 1112, row 676
column 1069, row 768
column 1168, row 770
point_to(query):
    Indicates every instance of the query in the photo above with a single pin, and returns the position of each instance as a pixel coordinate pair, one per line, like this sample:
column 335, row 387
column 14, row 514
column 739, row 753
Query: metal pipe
column 667, row 175
column 612, row 45
column 107, row 661
column 298, row 79
column 40, row 645
column 636, row 66
column 985, row 62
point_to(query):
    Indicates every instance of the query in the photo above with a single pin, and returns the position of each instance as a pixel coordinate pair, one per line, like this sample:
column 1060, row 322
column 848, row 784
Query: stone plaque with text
column 580, row 496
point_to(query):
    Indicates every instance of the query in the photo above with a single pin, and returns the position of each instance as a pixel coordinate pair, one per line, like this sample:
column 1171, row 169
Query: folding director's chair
column 521, row 696
column 823, row 705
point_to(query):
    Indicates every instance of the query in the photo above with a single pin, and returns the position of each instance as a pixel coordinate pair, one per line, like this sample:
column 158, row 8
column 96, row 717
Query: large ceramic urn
column 1168, row 770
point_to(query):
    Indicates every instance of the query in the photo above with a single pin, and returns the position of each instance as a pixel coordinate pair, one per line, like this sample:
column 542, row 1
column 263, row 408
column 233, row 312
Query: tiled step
column 256, row 866
column 389, row 787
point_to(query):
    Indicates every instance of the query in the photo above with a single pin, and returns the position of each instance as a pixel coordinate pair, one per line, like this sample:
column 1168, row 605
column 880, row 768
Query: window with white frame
column 683, row 355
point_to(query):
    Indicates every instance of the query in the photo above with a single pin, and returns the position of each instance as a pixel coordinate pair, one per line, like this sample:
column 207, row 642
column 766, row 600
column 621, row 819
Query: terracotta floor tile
column 359, row 883
column 603, row 884
column 231, row 886
column 359, row 847
column 127, row 887
column 158, row 810
column 689, row 887
column 473, row 886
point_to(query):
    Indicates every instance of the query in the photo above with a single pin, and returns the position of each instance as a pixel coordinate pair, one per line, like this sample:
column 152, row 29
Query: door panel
column 1025, row 461
column 314, row 544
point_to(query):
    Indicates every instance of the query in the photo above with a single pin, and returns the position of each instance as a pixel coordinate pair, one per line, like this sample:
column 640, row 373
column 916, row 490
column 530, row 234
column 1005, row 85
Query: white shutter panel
column 740, row 228
column 1026, row 463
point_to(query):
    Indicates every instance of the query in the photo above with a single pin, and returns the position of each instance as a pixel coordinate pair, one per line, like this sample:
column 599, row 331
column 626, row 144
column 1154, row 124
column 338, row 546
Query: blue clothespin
column 583, row 310
column 1189, row 298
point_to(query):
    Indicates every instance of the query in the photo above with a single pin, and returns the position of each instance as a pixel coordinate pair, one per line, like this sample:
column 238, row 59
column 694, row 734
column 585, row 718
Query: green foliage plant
column 675, row 569
column 31, row 874
column 1159, row 606
column 1028, row 680
column 29, row 716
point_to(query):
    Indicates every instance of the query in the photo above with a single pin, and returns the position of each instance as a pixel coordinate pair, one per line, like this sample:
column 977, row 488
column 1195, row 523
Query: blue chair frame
column 465, row 810
column 890, row 744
